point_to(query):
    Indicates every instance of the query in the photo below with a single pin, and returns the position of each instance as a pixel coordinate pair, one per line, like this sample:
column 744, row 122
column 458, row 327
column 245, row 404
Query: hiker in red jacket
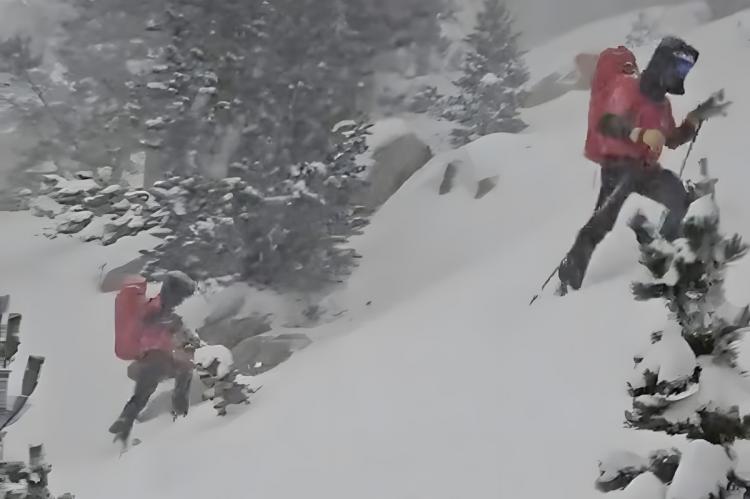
column 165, row 347
column 630, row 122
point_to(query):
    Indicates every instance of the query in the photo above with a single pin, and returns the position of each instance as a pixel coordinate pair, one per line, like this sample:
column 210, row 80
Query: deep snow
column 447, row 384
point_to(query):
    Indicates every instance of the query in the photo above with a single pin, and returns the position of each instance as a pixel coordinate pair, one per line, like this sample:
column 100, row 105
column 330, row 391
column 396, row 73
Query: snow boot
column 121, row 429
column 570, row 275
column 181, row 394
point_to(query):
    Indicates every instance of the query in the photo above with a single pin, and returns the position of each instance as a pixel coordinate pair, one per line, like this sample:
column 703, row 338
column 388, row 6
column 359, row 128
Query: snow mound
column 205, row 356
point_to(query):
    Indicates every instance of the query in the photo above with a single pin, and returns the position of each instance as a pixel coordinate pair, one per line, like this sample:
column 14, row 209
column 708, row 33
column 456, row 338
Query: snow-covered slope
column 439, row 381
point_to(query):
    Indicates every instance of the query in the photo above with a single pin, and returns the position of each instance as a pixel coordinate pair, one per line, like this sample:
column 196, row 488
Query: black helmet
column 175, row 288
column 669, row 66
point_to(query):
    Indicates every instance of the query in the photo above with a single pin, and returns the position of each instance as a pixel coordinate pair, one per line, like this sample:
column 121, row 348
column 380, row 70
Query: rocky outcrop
column 262, row 353
column 393, row 164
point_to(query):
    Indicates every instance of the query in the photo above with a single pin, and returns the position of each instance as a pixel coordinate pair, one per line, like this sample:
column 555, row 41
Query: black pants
column 155, row 367
column 620, row 179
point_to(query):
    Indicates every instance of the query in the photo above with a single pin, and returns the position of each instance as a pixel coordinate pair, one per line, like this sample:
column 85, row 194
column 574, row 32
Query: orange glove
column 652, row 137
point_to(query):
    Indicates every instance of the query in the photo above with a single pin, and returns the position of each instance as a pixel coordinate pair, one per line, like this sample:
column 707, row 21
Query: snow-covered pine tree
column 643, row 31
column 494, row 74
column 289, row 233
column 105, row 51
column 684, row 383
column 39, row 110
column 82, row 105
column 688, row 274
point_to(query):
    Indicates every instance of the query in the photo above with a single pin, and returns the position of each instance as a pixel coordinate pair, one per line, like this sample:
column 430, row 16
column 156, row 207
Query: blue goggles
column 683, row 65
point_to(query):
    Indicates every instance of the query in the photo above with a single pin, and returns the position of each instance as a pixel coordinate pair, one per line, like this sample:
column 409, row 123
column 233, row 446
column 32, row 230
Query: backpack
column 612, row 64
column 129, row 311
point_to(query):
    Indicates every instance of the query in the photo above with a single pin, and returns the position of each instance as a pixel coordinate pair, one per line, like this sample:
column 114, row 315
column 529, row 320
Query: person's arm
column 620, row 127
column 618, row 122
column 681, row 134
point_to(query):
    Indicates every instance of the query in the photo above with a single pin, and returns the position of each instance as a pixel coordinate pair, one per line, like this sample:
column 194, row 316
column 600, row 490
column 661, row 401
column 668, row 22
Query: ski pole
column 690, row 149
column 607, row 202
column 663, row 217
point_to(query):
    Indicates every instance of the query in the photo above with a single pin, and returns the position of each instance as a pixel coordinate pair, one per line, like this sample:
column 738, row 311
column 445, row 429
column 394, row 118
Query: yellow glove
column 652, row 137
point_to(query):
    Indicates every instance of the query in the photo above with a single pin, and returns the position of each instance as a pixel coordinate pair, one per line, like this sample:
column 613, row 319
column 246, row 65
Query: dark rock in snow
column 450, row 174
column 232, row 331
column 260, row 354
column 395, row 162
column 486, row 185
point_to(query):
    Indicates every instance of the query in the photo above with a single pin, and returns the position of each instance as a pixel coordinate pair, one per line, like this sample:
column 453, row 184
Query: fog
column 543, row 19
column 539, row 19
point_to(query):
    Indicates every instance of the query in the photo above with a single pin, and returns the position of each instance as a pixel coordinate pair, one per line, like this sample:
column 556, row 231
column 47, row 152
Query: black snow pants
column 153, row 368
column 620, row 179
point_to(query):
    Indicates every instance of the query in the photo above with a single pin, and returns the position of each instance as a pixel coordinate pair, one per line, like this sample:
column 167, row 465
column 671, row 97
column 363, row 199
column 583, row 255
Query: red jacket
column 155, row 335
column 624, row 99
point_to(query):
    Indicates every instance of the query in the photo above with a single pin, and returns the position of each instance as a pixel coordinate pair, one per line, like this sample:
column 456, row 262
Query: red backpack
column 129, row 312
column 613, row 64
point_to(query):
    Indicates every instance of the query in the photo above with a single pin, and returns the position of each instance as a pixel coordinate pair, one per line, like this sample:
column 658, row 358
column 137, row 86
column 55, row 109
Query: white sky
column 542, row 19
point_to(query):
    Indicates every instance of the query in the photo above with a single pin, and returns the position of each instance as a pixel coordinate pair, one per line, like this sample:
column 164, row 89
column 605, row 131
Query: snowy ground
column 447, row 385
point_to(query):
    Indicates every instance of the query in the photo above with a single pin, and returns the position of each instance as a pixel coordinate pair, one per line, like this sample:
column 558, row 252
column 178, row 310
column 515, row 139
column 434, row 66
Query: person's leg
column 181, row 393
column 150, row 371
column 664, row 187
column 615, row 189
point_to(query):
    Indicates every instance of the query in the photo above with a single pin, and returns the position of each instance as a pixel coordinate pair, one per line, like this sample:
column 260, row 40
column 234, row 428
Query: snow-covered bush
column 618, row 470
column 225, row 386
column 688, row 380
column 27, row 480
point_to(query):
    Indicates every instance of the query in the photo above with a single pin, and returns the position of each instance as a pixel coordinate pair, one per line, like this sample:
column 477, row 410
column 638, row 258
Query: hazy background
column 543, row 19
column 539, row 19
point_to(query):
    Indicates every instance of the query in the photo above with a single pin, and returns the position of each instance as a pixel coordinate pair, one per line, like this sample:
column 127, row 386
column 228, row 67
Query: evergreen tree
column 494, row 74
column 674, row 384
column 229, row 94
column 285, row 228
column 40, row 107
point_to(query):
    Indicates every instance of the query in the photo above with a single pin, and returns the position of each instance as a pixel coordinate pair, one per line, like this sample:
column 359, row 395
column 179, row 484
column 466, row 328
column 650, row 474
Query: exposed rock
column 231, row 332
column 73, row 221
column 450, row 174
column 394, row 163
column 260, row 354
column 486, row 185
column 84, row 175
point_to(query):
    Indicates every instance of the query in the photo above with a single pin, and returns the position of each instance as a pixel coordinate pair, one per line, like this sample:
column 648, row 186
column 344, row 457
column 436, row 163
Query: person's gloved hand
column 710, row 108
column 652, row 137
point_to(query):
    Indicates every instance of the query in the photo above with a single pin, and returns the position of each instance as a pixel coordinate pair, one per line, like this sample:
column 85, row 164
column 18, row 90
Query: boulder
column 448, row 177
column 393, row 163
column 486, row 185
column 257, row 355
column 232, row 331
column 72, row 221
